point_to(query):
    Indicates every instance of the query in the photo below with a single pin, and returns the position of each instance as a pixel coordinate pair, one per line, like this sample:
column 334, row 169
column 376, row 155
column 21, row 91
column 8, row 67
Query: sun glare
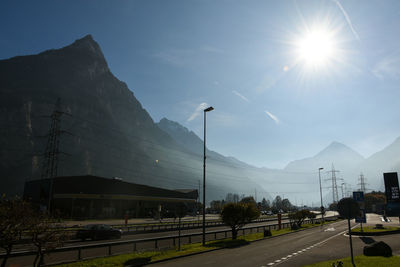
column 316, row 48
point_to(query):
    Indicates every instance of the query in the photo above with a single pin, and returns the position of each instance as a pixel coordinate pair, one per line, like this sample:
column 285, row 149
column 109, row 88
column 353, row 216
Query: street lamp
column 320, row 192
column 204, row 177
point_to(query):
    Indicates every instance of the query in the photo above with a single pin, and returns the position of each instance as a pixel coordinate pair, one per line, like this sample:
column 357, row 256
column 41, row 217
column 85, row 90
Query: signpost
column 392, row 193
column 358, row 196
column 349, row 209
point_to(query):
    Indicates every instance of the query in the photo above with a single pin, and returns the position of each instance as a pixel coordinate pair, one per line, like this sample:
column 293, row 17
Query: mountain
column 386, row 160
column 189, row 140
column 336, row 153
column 105, row 130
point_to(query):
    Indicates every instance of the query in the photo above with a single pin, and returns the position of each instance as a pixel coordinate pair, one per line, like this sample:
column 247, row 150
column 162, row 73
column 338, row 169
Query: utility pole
column 343, row 191
column 362, row 183
column 50, row 162
column 335, row 194
column 320, row 193
column 52, row 152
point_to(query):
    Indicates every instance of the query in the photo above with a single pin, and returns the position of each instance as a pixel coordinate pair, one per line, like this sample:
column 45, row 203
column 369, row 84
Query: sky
column 286, row 78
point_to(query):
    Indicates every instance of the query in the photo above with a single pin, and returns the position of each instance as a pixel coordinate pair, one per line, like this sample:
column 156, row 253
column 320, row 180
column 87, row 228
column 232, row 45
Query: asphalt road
column 296, row 249
column 98, row 252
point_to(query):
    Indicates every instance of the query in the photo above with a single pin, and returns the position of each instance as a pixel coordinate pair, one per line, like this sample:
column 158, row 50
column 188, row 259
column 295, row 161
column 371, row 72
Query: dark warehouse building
column 97, row 197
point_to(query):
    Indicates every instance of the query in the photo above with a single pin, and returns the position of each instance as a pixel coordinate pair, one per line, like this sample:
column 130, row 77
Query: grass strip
column 362, row 261
column 142, row 258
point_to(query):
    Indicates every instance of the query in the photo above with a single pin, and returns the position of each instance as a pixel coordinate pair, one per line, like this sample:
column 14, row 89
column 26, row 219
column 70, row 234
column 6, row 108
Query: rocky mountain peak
column 87, row 44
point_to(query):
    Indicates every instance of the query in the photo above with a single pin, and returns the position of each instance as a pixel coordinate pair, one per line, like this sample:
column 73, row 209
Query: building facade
column 82, row 197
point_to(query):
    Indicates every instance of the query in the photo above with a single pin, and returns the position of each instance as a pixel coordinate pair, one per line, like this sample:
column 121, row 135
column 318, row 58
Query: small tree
column 236, row 215
column 46, row 235
column 297, row 218
column 180, row 212
column 14, row 220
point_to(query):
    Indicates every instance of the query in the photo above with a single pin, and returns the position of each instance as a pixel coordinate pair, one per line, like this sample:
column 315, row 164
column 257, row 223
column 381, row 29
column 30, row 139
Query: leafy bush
column 236, row 215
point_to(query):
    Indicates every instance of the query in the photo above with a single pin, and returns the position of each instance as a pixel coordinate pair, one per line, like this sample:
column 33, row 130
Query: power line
column 335, row 194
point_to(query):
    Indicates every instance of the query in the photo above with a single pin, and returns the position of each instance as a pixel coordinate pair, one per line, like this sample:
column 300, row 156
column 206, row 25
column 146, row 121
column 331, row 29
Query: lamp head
column 208, row 109
column 321, row 168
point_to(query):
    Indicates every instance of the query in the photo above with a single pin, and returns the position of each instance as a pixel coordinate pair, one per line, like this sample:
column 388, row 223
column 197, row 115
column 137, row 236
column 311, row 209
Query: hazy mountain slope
column 226, row 170
column 336, row 153
column 386, row 160
column 193, row 143
column 110, row 132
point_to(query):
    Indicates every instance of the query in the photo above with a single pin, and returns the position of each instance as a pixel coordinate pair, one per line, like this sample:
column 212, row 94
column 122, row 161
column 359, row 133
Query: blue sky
column 242, row 58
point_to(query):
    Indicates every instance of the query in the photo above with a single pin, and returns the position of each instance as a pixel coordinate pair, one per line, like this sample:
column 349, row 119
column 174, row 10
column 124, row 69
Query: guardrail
column 155, row 243
column 183, row 226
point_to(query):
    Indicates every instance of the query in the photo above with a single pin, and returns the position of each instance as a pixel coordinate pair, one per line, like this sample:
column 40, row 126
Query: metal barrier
column 210, row 236
column 141, row 228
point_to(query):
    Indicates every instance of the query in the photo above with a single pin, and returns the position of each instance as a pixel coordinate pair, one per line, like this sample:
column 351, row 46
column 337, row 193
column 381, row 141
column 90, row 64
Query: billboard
column 392, row 194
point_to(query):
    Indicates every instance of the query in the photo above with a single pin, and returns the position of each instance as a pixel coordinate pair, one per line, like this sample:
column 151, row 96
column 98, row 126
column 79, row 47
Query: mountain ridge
column 112, row 134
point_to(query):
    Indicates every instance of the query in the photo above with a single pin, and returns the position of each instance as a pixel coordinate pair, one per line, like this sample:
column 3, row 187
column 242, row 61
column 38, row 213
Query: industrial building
column 82, row 197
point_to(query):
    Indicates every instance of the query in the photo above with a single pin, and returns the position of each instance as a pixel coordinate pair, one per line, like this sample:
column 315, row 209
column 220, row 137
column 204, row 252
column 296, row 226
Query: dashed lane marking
column 277, row 262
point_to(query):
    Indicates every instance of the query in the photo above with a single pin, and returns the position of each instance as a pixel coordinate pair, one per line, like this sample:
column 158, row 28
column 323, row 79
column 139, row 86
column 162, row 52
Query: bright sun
column 316, row 48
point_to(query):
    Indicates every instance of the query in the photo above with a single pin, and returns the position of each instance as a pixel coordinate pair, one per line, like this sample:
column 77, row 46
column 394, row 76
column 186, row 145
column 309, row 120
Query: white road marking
column 303, row 250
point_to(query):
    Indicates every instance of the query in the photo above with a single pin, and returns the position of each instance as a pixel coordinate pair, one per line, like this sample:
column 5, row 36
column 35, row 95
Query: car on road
column 97, row 232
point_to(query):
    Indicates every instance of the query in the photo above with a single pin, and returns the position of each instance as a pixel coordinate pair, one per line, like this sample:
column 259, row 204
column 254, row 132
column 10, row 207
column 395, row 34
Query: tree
column 17, row 218
column 297, row 218
column 45, row 235
column 180, row 211
column 374, row 201
column 236, row 215
column 14, row 220
column 265, row 204
column 286, row 205
column 333, row 206
column 277, row 204
column 248, row 199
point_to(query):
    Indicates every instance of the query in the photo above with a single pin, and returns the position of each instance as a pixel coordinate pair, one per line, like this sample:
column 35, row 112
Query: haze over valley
column 107, row 132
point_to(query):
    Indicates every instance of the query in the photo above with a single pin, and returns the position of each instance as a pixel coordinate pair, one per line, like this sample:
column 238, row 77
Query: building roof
column 89, row 186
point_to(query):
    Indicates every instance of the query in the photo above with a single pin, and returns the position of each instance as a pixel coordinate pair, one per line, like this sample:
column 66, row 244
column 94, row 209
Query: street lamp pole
column 204, row 177
column 320, row 192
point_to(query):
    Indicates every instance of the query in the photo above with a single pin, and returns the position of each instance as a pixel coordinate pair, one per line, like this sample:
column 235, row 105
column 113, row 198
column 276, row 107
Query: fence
column 142, row 228
column 111, row 248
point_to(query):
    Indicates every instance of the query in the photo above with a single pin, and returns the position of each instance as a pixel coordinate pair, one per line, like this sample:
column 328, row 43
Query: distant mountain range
column 112, row 135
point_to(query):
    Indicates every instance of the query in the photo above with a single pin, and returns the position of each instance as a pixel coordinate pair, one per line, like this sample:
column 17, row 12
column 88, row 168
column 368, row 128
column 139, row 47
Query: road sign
column 358, row 196
column 361, row 218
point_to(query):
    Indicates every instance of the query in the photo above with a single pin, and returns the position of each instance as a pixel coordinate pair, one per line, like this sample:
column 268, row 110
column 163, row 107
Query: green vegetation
column 151, row 256
column 236, row 215
column 362, row 261
column 371, row 229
